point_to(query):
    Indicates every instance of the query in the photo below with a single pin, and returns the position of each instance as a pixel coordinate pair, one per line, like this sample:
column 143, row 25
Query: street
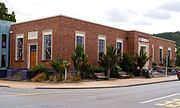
column 160, row 95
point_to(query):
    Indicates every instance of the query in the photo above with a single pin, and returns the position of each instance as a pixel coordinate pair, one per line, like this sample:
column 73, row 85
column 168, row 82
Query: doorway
column 145, row 47
column 32, row 55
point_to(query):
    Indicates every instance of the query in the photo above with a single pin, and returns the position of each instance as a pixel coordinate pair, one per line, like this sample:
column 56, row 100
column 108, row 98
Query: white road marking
column 155, row 99
column 10, row 92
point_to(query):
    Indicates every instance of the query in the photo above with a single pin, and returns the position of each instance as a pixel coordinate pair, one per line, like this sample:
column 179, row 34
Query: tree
column 178, row 57
column 58, row 66
column 80, row 61
column 142, row 59
column 110, row 59
column 4, row 13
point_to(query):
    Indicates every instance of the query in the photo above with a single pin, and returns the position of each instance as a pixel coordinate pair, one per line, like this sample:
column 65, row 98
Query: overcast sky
column 150, row 16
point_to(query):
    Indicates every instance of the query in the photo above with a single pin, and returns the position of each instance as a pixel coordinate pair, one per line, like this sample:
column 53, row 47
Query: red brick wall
column 68, row 28
column 64, row 29
column 133, row 45
column 157, row 42
column 39, row 25
column 130, row 41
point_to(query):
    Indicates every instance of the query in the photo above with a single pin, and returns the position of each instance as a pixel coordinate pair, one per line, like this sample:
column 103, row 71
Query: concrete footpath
column 87, row 84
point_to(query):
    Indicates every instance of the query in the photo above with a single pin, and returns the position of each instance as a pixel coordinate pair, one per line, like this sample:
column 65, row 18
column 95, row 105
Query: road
column 161, row 95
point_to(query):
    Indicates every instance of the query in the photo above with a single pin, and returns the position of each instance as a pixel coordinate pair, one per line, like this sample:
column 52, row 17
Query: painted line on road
column 156, row 99
column 12, row 94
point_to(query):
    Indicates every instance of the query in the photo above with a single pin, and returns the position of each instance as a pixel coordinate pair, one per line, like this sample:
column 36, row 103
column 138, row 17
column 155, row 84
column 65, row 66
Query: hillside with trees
column 175, row 36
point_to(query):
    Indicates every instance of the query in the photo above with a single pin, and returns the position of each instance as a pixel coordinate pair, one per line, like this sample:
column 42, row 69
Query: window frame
column 119, row 40
column 17, row 37
column 4, row 35
column 101, row 37
column 153, row 56
column 80, row 34
column 170, row 49
column 161, row 60
column 47, row 32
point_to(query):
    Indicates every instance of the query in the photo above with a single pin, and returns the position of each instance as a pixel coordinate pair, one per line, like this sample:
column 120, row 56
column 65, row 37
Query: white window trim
column 102, row 37
column 146, row 45
column 153, row 53
column 47, row 32
column 81, row 34
column 160, row 47
column 121, row 41
column 17, row 37
column 143, row 45
column 169, row 48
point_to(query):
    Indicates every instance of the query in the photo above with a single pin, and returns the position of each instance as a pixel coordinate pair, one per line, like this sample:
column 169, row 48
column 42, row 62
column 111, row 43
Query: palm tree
column 80, row 60
column 142, row 59
column 57, row 65
column 128, row 63
column 110, row 59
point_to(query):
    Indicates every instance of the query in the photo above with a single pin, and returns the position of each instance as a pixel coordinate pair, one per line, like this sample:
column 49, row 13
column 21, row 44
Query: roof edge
column 164, row 39
column 69, row 18
column 37, row 19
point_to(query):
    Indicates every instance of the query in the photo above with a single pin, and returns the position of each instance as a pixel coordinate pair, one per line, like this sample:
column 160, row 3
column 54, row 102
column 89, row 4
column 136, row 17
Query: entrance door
column 145, row 48
column 33, row 55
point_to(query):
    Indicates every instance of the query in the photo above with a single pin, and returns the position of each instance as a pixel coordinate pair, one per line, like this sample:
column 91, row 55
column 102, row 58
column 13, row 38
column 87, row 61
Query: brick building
column 39, row 41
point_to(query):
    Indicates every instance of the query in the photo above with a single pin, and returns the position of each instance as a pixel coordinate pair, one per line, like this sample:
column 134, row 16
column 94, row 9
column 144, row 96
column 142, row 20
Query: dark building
column 4, row 44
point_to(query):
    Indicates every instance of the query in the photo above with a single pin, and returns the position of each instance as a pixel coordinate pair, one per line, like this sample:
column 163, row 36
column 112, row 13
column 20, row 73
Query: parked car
column 178, row 74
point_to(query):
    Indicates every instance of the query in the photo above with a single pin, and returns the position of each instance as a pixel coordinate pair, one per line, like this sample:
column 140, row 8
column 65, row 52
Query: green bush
column 177, row 67
column 114, row 71
column 89, row 73
column 38, row 70
column 154, row 65
column 97, row 69
column 128, row 63
column 131, row 74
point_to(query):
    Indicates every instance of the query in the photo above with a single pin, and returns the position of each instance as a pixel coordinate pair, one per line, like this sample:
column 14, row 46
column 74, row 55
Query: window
column 19, row 47
column 152, row 53
column 3, row 60
column 3, row 40
column 119, row 46
column 80, row 39
column 47, row 46
column 101, row 46
column 161, row 54
column 169, row 53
